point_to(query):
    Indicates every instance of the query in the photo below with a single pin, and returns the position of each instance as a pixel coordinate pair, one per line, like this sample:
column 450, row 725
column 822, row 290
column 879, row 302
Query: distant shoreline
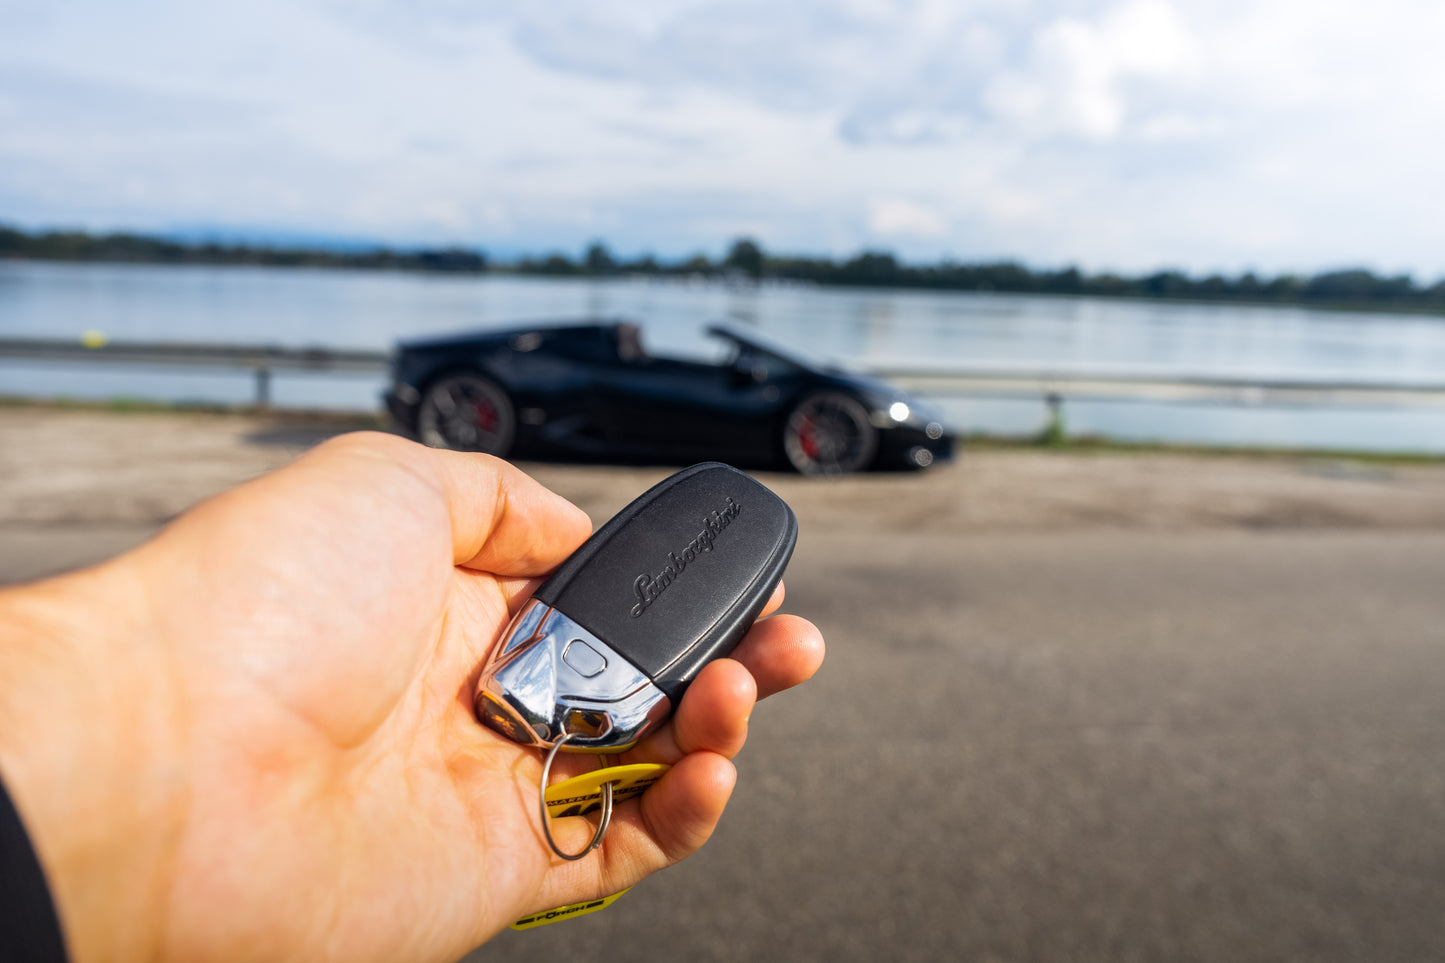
column 1345, row 290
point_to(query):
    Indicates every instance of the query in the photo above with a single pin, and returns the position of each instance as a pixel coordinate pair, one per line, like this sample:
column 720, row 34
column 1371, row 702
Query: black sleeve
column 29, row 928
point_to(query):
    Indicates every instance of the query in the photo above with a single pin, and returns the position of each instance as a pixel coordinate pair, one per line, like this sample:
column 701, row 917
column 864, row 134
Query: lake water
column 861, row 328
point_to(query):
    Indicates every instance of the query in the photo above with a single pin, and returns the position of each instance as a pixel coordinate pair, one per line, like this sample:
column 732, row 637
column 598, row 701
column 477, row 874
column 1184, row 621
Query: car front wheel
column 467, row 412
column 829, row 434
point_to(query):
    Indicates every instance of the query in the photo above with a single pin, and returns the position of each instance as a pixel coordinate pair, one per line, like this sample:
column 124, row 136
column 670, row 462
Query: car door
column 694, row 410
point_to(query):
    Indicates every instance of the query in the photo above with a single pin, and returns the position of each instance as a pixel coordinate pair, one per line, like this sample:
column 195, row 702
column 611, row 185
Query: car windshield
column 777, row 354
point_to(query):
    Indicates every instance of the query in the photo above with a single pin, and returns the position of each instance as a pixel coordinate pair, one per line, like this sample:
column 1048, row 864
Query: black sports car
column 590, row 390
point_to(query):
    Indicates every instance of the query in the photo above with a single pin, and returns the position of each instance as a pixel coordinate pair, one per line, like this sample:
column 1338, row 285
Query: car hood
column 855, row 379
column 460, row 340
column 880, row 394
column 866, row 384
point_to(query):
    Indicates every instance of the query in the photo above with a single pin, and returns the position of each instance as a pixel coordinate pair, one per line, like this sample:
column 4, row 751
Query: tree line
column 143, row 249
column 746, row 260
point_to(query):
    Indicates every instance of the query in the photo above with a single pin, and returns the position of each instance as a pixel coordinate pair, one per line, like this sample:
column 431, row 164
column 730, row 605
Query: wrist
column 88, row 726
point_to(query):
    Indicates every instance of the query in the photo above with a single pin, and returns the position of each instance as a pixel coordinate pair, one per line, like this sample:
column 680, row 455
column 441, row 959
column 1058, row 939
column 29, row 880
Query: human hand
column 253, row 737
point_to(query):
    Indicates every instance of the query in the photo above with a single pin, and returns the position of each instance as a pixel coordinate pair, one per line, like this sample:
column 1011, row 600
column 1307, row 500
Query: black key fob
column 606, row 646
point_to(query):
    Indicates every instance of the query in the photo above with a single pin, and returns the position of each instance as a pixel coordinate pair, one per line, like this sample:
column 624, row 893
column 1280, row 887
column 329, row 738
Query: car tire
column 829, row 433
column 467, row 411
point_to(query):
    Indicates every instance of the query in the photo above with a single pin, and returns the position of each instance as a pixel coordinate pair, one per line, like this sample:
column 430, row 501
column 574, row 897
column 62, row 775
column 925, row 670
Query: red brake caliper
column 486, row 417
column 807, row 439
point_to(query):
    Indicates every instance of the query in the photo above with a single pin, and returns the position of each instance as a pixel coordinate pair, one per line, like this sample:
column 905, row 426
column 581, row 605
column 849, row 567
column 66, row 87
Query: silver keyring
column 602, row 822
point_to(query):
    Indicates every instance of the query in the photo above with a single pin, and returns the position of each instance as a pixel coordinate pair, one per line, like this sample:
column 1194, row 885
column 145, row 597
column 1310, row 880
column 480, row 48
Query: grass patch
column 1091, row 445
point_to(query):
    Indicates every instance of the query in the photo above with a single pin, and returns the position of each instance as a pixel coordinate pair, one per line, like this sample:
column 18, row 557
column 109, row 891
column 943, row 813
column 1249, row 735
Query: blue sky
column 1124, row 134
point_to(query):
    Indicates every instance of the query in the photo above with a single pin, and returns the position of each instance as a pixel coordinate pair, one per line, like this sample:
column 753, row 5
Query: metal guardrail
column 1155, row 387
column 261, row 360
column 1053, row 386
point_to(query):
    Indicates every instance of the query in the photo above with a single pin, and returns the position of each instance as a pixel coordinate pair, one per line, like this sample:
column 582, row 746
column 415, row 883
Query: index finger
column 504, row 522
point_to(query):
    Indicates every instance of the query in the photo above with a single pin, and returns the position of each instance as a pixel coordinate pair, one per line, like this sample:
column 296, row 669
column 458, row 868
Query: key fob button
column 584, row 660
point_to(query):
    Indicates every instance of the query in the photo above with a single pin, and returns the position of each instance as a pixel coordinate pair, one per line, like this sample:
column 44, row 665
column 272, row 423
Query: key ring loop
column 602, row 822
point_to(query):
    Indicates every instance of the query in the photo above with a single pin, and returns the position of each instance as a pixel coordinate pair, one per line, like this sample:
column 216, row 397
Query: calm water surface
column 855, row 327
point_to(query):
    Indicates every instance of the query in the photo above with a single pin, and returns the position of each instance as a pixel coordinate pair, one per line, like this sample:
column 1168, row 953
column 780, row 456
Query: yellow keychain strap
column 578, row 796
column 570, row 911
column 582, row 794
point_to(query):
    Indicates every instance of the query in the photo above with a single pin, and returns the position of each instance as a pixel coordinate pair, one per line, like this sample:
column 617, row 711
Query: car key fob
column 605, row 648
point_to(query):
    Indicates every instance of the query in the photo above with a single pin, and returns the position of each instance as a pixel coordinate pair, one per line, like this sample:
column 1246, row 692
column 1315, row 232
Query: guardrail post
column 1054, row 432
column 263, row 388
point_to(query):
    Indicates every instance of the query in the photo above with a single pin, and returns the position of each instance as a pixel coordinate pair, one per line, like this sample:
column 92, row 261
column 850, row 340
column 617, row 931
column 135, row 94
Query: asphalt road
column 1092, row 746
column 1089, row 731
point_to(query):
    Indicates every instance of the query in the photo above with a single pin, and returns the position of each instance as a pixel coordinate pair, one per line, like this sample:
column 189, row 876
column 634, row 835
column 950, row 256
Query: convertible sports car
column 590, row 390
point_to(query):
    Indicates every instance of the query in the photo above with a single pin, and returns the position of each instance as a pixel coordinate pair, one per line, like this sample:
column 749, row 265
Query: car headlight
column 903, row 411
column 893, row 411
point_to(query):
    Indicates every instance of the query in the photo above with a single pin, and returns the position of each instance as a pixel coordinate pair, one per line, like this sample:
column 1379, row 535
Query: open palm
column 321, row 631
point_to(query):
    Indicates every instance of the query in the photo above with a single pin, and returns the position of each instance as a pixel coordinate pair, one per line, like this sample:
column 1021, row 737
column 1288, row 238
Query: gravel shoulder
column 64, row 467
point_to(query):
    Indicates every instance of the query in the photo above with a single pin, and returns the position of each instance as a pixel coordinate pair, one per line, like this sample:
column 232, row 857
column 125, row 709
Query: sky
column 1130, row 135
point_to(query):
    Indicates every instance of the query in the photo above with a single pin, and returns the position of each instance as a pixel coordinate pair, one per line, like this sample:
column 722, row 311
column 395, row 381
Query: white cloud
column 1146, row 37
column 892, row 217
column 1073, row 80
